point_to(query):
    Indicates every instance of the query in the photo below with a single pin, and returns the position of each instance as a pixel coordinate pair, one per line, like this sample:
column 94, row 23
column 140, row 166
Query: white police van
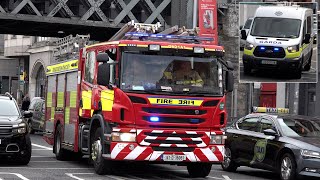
column 280, row 38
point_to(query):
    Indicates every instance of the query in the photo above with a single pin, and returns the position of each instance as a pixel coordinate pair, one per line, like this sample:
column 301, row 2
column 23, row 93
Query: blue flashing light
column 154, row 119
column 262, row 48
column 276, row 49
column 194, row 120
column 163, row 36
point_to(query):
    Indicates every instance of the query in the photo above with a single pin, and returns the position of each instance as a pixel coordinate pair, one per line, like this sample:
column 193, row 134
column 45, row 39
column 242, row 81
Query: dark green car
column 286, row 144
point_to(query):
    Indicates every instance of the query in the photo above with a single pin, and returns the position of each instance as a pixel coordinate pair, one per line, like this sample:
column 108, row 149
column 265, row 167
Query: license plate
column 173, row 157
column 269, row 62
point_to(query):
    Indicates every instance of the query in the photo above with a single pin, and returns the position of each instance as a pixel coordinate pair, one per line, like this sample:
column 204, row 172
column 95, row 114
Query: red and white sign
column 208, row 22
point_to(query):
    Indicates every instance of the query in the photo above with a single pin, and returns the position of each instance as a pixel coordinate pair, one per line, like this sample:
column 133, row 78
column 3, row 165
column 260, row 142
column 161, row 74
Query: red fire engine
column 142, row 96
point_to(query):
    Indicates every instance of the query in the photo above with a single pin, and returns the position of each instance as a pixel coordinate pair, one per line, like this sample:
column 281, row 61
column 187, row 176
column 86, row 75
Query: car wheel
column 101, row 165
column 228, row 164
column 31, row 130
column 199, row 169
column 287, row 167
column 24, row 159
column 61, row 154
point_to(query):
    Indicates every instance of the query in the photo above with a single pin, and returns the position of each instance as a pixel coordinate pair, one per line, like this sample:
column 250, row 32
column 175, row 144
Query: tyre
column 30, row 129
column 61, row 154
column 199, row 169
column 101, row 165
column 228, row 164
column 24, row 159
column 307, row 67
column 287, row 167
column 246, row 69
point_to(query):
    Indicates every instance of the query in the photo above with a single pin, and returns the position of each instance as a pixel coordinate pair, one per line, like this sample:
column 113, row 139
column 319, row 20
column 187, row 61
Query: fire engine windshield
column 171, row 74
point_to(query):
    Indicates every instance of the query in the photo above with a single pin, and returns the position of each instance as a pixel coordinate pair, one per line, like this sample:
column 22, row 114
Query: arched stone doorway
column 37, row 80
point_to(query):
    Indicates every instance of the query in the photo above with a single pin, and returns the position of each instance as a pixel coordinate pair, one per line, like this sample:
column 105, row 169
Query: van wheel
column 101, row 165
column 199, row 169
column 308, row 65
column 246, row 69
column 61, row 154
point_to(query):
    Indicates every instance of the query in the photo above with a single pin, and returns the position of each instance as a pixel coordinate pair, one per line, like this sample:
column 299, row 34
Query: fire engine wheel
column 199, row 169
column 61, row 154
column 101, row 165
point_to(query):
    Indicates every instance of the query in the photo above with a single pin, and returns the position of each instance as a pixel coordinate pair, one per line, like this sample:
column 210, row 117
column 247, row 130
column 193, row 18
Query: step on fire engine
column 142, row 96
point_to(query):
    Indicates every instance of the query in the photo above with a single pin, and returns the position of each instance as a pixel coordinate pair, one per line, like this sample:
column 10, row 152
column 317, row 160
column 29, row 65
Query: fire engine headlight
column 249, row 46
column 198, row 50
column 123, row 137
column 154, row 47
column 292, row 49
column 217, row 139
column 310, row 154
column 19, row 128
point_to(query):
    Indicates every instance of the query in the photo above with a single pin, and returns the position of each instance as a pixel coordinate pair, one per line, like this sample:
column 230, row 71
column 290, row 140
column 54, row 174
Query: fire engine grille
column 269, row 52
column 174, row 111
column 172, row 139
column 177, row 120
column 5, row 129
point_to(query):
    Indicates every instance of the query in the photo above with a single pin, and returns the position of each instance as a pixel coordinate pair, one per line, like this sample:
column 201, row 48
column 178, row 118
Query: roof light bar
column 162, row 36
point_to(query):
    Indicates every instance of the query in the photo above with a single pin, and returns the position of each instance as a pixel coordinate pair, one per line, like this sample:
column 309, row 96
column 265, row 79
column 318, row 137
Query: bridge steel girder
column 48, row 17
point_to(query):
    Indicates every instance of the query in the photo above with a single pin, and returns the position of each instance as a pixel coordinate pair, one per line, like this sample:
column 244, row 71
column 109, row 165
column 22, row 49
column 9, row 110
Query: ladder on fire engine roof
column 132, row 27
column 68, row 47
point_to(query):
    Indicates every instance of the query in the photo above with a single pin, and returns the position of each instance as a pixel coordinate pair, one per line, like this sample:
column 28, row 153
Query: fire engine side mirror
column 103, row 76
column 229, row 78
column 103, row 57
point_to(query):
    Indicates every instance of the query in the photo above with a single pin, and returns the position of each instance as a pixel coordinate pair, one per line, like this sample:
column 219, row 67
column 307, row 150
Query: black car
column 37, row 109
column 286, row 144
column 15, row 143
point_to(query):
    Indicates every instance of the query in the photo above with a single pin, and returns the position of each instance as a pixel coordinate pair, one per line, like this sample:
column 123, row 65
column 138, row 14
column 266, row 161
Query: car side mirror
column 103, row 57
column 27, row 114
column 306, row 39
column 241, row 27
column 243, row 34
column 270, row 132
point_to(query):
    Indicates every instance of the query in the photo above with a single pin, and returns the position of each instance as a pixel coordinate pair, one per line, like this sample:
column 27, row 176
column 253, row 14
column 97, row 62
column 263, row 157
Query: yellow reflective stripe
column 67, row 115
column 179, row 102
column 52, row 113
column 91, row 112
column 60, row 99
column 66, row 66
column 73, row 99
column 107, row 97
column 270, row 110
column 49, row 99
column 86, row 99
column 142, row 45
column 248, row 52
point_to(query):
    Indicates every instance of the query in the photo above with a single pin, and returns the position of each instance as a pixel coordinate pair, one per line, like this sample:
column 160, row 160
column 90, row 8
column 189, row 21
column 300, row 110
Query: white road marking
column 211, row 177
column 16, row 174
column 75, row 177
column 226, row 177
column 114, row 177
column 50, row 161
column 44, row 168
column 43, row 147
column 135, row 177
column 42, row 156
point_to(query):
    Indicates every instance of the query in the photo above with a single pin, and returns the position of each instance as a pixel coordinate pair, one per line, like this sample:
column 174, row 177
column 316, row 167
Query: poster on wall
column 208, row 20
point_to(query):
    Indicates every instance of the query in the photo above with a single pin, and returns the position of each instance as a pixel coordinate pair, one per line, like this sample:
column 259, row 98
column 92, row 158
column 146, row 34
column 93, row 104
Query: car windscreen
column 276, row 27
column 248, row 24
column 300, row 127
column 8, row 108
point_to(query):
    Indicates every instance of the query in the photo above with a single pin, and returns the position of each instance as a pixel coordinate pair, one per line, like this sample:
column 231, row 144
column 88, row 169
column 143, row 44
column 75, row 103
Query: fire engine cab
column 145, row 95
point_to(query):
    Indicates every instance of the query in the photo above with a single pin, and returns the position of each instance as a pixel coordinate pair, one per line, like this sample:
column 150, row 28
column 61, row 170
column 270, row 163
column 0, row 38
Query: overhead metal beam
column 34, row 8
column 19, row 7
column 2, row 10
column 130, row 14
column 61, row 4
column 157, row 11
column 124, row 12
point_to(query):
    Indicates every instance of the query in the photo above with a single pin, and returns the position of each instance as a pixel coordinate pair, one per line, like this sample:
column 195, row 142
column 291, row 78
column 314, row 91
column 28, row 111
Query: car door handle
column 235, row 136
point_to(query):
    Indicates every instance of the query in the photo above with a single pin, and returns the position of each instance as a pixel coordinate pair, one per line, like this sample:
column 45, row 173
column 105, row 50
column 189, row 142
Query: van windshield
column 276, row 27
